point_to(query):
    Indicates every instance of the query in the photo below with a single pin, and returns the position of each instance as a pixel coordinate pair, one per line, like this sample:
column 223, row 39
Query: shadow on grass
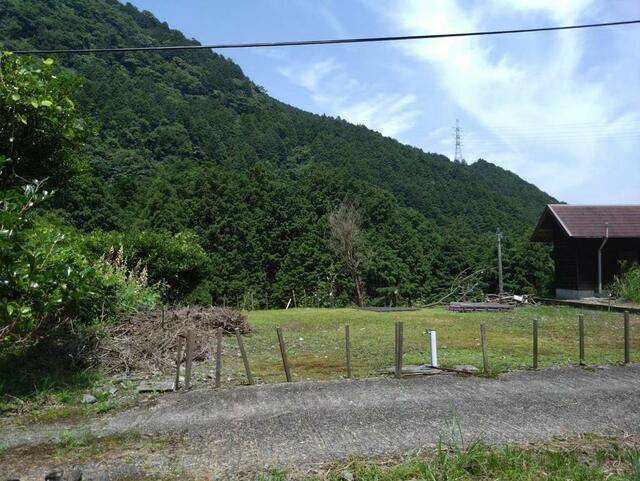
column 53, row 370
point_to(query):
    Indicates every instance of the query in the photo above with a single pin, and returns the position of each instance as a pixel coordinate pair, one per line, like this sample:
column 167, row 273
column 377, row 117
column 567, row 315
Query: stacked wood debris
column 511, row 299
column 147, row 342
column 478, row 306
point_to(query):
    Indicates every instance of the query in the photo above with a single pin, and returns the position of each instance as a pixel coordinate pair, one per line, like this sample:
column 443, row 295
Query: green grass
column 44, row 388
column 584, row 458
column 315, row 340
column 75, row 448
column 596, row 459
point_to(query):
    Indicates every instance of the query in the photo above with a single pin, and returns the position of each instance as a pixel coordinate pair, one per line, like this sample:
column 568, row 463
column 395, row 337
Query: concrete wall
column 575, row 293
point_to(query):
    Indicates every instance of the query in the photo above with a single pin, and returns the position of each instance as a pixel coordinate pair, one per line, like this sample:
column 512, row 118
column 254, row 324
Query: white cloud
column 309, row 76
column 563, row 10
column 337, row 92
column 522, row 91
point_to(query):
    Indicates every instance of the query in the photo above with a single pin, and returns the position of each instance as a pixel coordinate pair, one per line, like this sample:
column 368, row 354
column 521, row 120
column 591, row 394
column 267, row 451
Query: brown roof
column 588, row 221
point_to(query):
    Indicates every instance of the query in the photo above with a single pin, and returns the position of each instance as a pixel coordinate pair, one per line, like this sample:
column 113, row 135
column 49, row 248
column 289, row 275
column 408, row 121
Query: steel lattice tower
column 459, row 159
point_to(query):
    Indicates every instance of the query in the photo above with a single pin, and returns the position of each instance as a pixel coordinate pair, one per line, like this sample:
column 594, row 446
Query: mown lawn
column 315, row 340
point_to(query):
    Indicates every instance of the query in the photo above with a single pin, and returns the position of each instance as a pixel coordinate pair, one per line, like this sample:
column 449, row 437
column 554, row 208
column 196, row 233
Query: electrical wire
column 321, row 42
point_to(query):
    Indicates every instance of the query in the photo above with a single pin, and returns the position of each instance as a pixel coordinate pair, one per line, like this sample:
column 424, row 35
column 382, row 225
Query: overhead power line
column 322, row 42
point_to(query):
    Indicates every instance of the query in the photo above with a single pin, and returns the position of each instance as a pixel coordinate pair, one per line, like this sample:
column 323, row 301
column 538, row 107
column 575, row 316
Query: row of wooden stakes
column 399, row 351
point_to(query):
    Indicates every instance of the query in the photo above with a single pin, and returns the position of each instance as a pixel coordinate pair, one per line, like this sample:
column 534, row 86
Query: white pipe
column 604, row 241
column 434, row 349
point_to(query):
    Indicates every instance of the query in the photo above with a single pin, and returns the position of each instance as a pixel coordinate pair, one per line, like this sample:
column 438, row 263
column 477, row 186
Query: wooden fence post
column 400, row 349
column 395, row 351
column 176, row 384
column 535, row 343
column 347, row 341
column 283, row 352
column 395, row 348
column 189, row 360
column 581, row 338
column 245, row 359
column 626, row 337
column 485, row 357
column 218, row 356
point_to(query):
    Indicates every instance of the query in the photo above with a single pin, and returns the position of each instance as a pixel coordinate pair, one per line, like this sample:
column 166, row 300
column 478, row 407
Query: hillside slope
column 186, row 142
column 154, row 108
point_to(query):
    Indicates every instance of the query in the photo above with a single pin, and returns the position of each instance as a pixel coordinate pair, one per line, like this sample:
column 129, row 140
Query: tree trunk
column 359, row 290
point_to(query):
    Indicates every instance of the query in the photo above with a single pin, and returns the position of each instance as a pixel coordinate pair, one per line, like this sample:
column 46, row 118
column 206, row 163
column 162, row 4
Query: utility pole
column 500, row 284
column 459, row 159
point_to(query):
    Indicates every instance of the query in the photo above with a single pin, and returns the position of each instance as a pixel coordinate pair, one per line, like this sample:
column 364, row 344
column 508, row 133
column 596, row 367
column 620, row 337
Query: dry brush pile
column 147, row 342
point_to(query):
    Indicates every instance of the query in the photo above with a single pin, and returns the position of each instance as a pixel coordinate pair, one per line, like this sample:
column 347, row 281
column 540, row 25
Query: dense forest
column 185, row 169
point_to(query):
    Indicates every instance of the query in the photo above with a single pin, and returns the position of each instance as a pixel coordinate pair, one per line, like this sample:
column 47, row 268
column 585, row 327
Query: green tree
column 41, row 131
column 45, row 279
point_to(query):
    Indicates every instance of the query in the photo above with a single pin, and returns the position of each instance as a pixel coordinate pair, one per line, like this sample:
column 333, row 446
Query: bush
column 41, row 130
column 177, row 264
column 46, row 279
column 627, row 285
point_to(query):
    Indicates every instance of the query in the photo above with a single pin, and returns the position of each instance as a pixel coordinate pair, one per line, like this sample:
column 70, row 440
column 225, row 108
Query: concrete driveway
column 306, row 423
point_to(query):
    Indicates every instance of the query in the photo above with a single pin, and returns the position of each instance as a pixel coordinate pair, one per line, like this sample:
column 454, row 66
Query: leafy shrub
column 41, row 131
column 45, row 278
column 627, row 285
column 123, row 290
column 177, row 263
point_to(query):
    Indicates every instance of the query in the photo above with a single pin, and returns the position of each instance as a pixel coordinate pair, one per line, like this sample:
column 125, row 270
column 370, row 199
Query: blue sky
column 561, row 109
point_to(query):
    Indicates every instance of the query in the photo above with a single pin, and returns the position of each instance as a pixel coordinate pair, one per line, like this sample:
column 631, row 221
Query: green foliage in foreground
column 40, row 128
column 589, row 460
column 627, row 285
column 45, row 278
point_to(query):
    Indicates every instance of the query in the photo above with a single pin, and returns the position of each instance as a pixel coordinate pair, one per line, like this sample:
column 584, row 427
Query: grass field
column 315, row 345
column 315, row 340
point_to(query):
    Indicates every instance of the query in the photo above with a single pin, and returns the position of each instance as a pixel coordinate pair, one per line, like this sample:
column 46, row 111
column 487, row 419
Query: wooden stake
column 626, row 337
column 176, row 384
column 485, row 357
column 395, row 351
column 535, row 344
column 218, row 356
column 400, row 349
column 283, row 352
column 245, row 359
column 189, row 360
column 347, row 340
column 581, row 338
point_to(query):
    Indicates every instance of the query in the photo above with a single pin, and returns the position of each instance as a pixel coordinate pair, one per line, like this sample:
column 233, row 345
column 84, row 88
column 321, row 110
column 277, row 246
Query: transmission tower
column 459, row 159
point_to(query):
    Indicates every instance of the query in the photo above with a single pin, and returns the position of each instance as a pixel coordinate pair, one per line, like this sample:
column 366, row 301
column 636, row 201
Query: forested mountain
column 185, row 142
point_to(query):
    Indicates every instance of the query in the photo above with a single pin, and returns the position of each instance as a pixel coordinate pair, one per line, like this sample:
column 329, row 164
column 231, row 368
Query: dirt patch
column 148, row 341
column 316, row 364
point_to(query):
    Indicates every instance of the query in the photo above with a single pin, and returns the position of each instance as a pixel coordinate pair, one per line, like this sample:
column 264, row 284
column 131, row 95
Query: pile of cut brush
column 147, row 342
column 511, row 299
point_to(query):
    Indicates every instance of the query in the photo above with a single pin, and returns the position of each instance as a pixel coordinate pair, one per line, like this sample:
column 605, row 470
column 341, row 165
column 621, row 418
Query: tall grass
column 627, row 285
